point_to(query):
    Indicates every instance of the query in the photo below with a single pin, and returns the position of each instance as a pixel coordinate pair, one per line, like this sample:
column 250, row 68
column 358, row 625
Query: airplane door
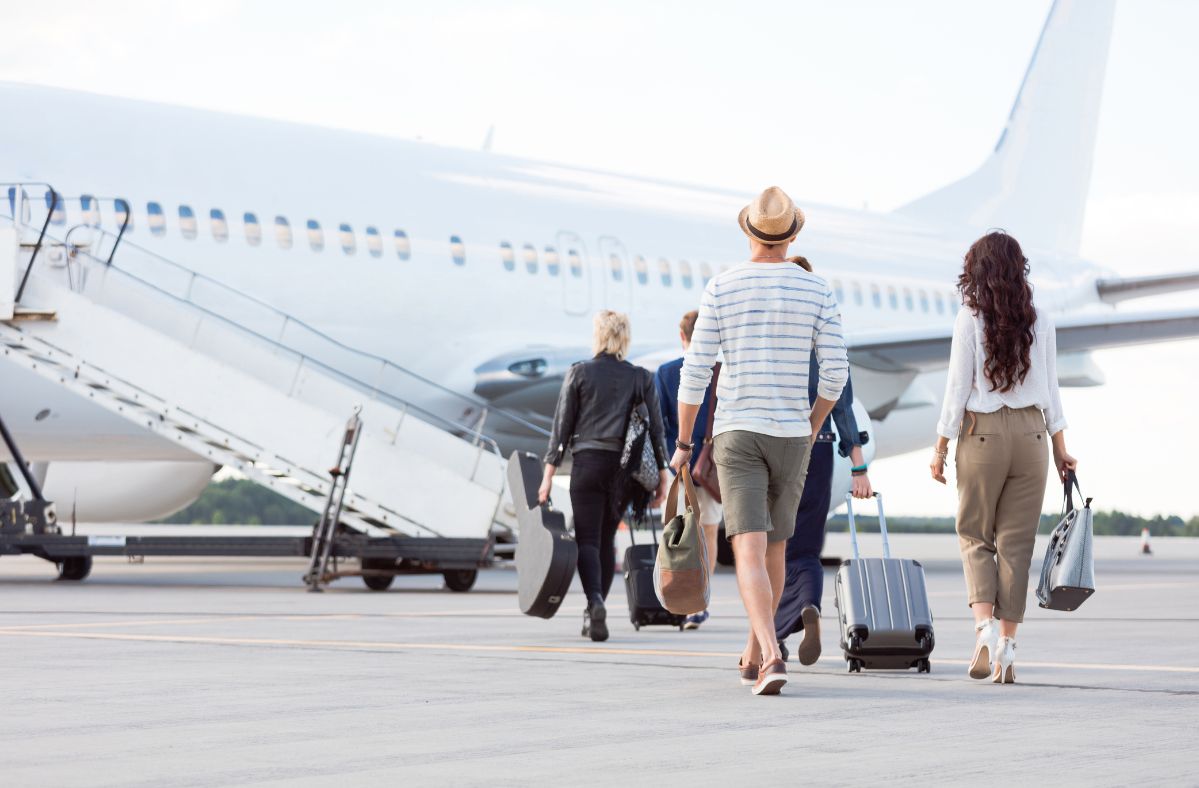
column 614, row 270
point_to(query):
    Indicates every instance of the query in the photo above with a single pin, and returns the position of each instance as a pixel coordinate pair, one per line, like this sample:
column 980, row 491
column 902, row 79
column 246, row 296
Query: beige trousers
column 1002, row 461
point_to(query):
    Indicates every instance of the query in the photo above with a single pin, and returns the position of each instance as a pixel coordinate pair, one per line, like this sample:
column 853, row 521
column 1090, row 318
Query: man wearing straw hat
column 765, row 317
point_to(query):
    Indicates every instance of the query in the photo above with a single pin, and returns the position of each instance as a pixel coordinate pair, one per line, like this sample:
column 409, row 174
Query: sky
column 863, row 104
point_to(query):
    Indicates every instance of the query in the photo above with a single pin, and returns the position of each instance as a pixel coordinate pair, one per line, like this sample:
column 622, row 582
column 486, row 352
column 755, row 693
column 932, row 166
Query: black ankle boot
column 597, row 616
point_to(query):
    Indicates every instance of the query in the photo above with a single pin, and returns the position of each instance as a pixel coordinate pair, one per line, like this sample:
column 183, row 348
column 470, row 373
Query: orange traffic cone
column 1145, row 549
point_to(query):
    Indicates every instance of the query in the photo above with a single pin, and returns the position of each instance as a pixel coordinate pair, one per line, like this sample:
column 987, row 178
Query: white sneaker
column 984, row 648
column 1005, row 662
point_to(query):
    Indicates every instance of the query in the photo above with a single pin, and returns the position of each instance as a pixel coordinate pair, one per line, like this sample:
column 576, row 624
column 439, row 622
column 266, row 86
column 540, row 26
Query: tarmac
column 180, row 672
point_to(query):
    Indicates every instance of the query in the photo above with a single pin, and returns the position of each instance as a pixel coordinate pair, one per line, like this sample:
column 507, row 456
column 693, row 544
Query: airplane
column 482, row 271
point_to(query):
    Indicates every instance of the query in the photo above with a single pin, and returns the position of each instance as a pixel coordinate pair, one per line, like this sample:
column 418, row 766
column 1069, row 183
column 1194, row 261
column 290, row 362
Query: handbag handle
column 1071, row 484
column 672, row 497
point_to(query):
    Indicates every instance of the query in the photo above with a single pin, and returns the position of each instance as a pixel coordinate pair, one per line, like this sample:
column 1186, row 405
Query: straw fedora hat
column 772, row 218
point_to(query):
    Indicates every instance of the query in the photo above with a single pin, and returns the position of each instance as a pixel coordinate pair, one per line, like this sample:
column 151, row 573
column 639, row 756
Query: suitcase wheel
column 637, row 626
column 855, row 665
column 924, row 666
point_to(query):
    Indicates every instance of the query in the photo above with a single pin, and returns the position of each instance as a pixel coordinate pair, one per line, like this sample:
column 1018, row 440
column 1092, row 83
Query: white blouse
column 968, row 388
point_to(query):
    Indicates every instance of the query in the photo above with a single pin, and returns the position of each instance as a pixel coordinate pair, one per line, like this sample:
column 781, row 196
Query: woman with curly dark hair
column 1001, row 399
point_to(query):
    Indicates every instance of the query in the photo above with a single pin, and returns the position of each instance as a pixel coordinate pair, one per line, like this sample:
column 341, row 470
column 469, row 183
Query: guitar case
column 546, row 553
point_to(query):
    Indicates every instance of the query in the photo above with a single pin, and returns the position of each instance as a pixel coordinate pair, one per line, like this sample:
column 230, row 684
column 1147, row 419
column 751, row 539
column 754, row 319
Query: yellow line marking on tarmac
column 1101, row 587
column 527, row 649
column 197, row 620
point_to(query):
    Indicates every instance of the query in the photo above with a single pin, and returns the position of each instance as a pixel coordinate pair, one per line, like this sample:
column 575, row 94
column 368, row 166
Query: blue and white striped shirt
column 765, row 318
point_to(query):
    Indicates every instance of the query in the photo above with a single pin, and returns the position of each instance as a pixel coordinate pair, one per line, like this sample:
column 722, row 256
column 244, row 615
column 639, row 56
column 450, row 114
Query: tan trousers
column 1002, row 461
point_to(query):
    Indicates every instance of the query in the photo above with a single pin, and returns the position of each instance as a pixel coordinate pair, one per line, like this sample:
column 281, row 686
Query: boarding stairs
column 242, row 384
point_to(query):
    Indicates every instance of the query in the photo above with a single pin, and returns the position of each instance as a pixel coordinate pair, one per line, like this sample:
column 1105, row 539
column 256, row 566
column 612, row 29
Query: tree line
column 242, row 502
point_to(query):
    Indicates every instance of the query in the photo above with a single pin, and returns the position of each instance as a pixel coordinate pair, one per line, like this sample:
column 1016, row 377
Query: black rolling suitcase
column 644, row 607
column 546, row 553
column 882, row 607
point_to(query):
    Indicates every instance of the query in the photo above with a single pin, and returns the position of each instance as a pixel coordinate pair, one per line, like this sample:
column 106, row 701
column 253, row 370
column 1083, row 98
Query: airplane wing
column 924, row 350
column 1114, row 290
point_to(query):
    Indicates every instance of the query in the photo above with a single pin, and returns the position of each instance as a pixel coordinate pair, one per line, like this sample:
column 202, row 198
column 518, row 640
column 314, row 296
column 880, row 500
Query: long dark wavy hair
column 994, row 285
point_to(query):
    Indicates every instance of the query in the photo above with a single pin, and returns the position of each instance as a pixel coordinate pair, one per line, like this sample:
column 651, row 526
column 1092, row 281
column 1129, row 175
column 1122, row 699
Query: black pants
column 597, row 505
column 805, row 576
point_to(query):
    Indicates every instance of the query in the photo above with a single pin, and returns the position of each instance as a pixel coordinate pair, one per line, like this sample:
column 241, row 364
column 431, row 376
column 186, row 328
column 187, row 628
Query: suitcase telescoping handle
column 882, row 525
column 631, row 522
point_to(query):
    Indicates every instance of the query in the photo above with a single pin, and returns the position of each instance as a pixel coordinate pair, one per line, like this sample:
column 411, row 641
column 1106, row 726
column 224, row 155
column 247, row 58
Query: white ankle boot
column 984, row 648
column 1005, row 662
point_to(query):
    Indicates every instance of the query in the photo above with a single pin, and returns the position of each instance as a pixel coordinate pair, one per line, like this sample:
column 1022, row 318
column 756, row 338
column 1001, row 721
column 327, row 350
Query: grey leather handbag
column 1068, row 572
column 637, row 457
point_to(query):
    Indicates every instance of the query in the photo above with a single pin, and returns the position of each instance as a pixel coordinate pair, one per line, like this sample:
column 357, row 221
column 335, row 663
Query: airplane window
column 220, row 228
column 908, row 302
column 457, row 250
column 664, row 271
column 187, row 222
column 705, row 273
column 346, row 235
column 940, row 303
column 876, row 297
column 59, row 216
column 403, row 245
column 576, row 263
column 253, row 229
column 685, row 274
column 530, row 256
column 552, row 264
column 507, row 256
column 617, row 266
column 282, row 232
column 91, row 210
column 121, row 209
column 156, row 219
column 316, row 237
column 642, row 269
column 893, row 298
column 923, row 301
column 839, row 291
column 374, row 242
column 857, row 294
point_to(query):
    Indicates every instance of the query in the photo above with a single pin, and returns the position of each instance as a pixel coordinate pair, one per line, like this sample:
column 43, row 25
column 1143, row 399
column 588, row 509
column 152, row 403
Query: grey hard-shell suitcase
column 882, row 607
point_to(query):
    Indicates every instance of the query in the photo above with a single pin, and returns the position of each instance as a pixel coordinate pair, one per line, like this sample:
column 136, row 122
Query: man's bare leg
column 753, row 581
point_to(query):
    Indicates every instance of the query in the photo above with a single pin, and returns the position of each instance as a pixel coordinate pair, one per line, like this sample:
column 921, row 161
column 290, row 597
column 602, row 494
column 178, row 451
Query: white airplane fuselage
column 447, row 306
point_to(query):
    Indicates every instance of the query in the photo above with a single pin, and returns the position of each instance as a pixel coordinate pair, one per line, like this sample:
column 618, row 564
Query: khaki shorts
column 761, row 481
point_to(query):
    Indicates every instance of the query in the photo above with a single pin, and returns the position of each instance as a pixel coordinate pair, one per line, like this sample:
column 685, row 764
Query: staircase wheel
column 460, row 580
column 74, row 568
column 378, row 582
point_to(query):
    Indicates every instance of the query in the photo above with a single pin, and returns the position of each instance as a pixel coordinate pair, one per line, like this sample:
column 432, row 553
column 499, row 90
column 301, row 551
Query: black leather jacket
column 594, row 404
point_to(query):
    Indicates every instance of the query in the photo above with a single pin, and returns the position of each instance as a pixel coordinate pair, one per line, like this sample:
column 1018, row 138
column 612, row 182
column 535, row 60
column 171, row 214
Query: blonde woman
column 590, row 422
column 1001, row 403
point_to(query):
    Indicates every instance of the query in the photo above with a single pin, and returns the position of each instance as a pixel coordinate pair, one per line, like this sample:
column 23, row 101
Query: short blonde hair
column 612, row 334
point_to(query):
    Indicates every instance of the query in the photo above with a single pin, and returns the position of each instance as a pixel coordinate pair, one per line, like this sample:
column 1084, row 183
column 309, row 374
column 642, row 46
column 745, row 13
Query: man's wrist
column 678, row 444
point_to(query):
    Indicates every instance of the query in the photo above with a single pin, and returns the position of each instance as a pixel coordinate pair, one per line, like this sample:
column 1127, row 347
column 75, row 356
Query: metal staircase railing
column 389, row 380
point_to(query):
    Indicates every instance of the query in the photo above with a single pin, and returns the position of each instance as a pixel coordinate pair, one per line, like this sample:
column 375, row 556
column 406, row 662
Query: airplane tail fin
column 1035, row 182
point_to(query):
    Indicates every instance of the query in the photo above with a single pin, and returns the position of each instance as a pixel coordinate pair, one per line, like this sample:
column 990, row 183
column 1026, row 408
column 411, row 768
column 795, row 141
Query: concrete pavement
column 202, row 672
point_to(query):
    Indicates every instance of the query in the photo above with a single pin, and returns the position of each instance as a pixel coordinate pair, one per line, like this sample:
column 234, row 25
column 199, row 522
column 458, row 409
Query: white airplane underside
column 481, row 272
